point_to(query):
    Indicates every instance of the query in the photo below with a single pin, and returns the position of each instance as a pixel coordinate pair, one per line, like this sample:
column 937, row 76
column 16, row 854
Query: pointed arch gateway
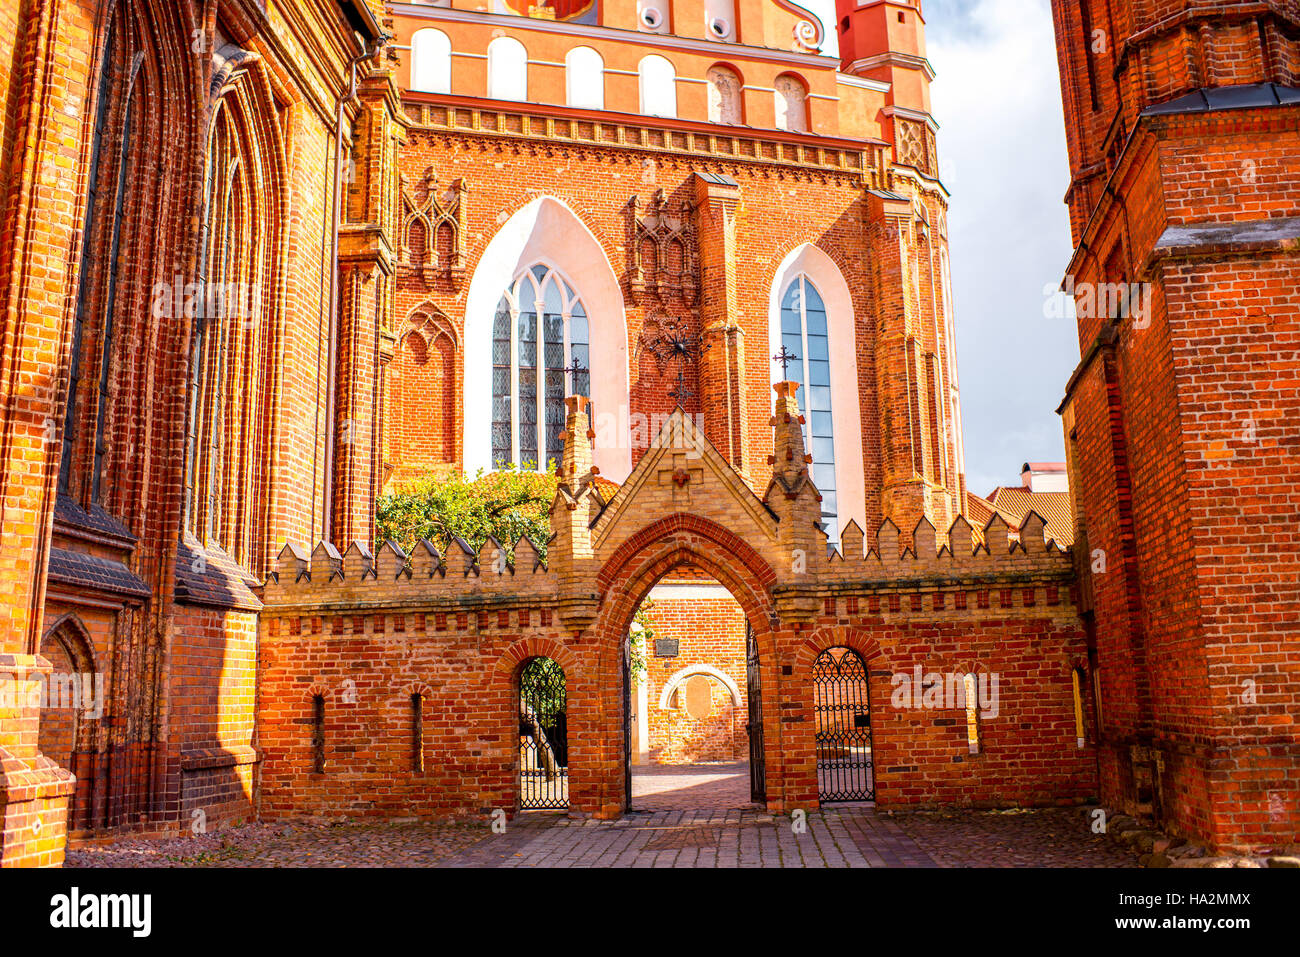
column 557, row 285
column 714, row 525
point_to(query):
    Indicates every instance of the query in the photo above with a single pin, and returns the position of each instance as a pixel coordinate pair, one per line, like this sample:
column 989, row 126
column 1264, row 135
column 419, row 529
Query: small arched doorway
column 71, row 711
column 842, row 726
column 543, row 735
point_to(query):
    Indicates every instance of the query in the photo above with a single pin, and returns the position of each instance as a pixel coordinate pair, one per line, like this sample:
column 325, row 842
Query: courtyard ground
column 685, row 816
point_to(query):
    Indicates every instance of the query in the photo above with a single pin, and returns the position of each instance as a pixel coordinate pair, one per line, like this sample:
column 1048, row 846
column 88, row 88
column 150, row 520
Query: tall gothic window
column 804, row 334
column 105, row 196
column 539, row 330
column 225, row 399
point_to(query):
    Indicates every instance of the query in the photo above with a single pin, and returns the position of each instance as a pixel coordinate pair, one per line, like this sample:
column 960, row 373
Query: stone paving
column 290, row 845
column 666, row 787
column 684, row 816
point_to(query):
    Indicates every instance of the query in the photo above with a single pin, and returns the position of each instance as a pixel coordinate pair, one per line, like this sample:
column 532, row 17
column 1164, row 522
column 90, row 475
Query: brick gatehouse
column 360, row 634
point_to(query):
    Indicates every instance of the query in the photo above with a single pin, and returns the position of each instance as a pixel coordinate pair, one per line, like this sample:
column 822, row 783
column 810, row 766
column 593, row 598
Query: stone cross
column 681, row 474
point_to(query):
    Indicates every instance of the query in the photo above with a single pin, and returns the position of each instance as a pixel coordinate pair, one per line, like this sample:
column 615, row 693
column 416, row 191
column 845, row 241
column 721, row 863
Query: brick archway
column 71, row 727
column 626, row 577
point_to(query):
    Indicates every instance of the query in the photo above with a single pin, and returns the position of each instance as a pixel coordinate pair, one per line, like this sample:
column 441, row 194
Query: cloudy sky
column 997, row 99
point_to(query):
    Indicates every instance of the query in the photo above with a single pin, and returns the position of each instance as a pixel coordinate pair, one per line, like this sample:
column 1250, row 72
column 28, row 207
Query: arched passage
column 703, row 551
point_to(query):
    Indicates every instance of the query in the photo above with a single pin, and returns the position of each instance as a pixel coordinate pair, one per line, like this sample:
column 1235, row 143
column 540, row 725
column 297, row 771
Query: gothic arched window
column 110, row 163
column 213, row 360
column 539, row 330
column 804, row 333
column 584, row 72
column 658, row 86
column 791, row 104
column 507, row 69
column 227, row 427
column 430, row 61
column 724, row 96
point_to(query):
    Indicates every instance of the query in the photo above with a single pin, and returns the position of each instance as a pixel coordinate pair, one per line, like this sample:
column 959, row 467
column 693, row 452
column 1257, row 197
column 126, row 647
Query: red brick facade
column 157, row 438
column 1183, row 122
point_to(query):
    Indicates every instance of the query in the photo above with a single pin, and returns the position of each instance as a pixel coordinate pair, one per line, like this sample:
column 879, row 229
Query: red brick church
column 267, row 261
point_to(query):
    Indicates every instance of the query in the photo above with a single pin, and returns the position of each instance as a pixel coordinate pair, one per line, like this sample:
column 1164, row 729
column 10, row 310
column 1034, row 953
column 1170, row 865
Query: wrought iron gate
column 543, row 735
column 627, row 721
column 757, row 766
column 842, row 711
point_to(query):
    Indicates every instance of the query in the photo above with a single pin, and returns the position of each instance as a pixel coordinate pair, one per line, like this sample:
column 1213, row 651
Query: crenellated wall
column 366, row 632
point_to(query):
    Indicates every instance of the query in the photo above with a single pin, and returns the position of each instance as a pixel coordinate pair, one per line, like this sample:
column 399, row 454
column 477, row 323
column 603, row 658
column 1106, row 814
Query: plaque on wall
column 666, row 647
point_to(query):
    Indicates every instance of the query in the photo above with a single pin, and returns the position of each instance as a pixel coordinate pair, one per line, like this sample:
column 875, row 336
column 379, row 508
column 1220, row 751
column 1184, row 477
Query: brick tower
column 1183, row 126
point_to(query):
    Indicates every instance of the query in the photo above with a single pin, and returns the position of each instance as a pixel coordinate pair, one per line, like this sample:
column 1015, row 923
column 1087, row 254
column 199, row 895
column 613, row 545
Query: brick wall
column 889, row 258
column 366, row 633
column 165, row 617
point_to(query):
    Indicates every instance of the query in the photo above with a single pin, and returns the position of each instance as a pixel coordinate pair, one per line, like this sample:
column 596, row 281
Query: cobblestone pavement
column 685, row 816
column 291, row 845
column 703, row 837
column 1044, row 837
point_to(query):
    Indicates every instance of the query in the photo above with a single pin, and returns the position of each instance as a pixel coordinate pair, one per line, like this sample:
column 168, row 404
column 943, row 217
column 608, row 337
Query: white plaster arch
column 584, row 78
column 658, row 82
column 724, row 679
column 548, row 232
column 846, row 412
column 431, row 61
column 507, row 69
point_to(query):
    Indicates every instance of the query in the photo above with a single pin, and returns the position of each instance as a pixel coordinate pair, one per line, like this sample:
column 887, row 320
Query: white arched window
column 507, row 69
column 806, row 335
column 584, row 77
column 545, row 232
column 811, row 314
column 724, row 96
column 791, row 104
column 538, row 334
column 658, row 86
column 430, row 61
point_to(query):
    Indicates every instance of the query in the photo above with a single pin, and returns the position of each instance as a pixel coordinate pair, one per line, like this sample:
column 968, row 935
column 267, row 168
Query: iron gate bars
column 757, row 765
column 842, row 711
column 543, row 736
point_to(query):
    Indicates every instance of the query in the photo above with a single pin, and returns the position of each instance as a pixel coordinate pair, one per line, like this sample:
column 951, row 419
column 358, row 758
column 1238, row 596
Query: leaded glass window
column 539, row 331
column 804, row 333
